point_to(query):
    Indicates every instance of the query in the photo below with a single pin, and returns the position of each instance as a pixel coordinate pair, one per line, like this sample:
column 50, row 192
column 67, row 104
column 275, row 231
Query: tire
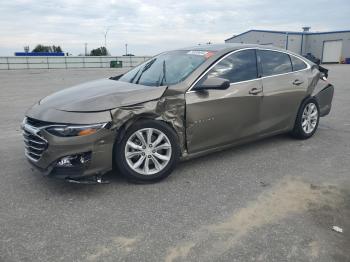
column 147, row 162
column 307, row 119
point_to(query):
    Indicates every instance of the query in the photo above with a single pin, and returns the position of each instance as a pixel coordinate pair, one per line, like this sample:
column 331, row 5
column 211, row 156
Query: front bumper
column 99, row 146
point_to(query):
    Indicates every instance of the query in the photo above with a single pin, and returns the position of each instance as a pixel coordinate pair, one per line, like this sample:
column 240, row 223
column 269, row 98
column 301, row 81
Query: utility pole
column 105, row 34
column 126, row 49
column 85, row 49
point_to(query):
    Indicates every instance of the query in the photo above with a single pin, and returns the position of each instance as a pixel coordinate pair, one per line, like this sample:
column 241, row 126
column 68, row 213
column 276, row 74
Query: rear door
column 219, row 117
column 283, row 91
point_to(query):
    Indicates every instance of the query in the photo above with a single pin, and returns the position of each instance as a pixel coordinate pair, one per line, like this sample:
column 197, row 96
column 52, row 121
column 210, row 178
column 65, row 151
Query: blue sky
column 150, row 27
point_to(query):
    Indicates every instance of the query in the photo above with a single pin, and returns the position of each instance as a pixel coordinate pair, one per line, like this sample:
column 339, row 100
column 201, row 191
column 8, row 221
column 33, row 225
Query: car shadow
column 225, row 154
column 238, row 150
column 115, row 179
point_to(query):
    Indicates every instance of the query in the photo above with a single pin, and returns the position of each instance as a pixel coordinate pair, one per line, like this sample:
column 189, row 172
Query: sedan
column 177, row 105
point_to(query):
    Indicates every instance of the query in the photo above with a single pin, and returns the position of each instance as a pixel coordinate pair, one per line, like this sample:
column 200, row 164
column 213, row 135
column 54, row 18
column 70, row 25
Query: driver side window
column 237, row 67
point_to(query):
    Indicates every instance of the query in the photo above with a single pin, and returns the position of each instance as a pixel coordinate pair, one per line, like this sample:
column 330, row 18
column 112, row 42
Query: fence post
column 47, row 60
column 27, row 62
column 8, row 63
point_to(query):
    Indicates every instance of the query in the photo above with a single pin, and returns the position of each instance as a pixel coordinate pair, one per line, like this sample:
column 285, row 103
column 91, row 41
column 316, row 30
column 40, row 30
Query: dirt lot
column 272, row 200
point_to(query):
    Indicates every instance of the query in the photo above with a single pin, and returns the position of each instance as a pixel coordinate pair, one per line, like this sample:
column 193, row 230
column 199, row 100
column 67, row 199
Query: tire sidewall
column 121, row 161
column 299, row 129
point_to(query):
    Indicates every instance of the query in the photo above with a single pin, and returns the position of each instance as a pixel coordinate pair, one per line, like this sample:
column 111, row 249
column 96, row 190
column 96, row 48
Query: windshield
column 167, row 68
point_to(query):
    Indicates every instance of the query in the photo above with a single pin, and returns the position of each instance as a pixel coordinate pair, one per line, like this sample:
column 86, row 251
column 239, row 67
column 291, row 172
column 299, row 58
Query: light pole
column 126, row 49
column 105, row 34
column 85, row 49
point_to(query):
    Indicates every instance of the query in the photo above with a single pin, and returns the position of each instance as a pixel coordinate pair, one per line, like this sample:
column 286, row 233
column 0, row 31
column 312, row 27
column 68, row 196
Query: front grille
column 34, row 144
column 37, row 123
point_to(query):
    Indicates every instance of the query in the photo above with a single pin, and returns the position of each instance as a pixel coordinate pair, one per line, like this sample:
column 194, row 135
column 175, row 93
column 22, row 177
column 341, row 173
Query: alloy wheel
column 148, row 151
column 309, row 118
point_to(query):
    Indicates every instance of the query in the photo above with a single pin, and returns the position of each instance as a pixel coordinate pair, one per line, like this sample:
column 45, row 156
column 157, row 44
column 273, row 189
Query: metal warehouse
column 329, row 47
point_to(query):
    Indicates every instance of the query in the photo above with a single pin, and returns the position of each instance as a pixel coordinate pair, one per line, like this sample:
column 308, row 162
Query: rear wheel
column 148, row 151
column 307, row 120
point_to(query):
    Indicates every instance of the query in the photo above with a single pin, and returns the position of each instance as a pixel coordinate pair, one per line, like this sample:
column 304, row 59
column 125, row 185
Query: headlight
column 75, row 130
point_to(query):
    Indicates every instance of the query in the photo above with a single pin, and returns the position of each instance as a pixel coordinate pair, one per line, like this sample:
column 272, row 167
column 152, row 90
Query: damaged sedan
column 177, row 105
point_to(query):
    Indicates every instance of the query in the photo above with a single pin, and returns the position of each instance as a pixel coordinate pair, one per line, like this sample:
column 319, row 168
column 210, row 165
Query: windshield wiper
column 147, row 66
column 133, row 78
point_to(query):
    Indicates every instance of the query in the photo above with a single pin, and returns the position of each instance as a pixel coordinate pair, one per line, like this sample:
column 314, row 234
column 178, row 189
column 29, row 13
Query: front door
column 218, row 117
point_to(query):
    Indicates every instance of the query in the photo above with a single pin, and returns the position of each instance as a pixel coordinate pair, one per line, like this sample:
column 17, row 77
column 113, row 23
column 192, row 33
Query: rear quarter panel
column 321, row 90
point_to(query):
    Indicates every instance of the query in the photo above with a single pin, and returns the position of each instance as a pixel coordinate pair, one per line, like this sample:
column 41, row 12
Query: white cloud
column 152, row 26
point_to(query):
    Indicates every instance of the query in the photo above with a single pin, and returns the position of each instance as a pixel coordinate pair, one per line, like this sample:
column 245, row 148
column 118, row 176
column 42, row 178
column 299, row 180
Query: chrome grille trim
column 34, row 144
column 33, row 147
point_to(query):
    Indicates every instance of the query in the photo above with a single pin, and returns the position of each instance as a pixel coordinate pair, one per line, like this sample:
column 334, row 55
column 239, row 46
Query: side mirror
column 213, row 83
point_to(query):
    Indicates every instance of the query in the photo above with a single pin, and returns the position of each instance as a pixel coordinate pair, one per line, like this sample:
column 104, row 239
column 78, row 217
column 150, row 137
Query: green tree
column 101, row 51
column 47, row 48
column 57, row 49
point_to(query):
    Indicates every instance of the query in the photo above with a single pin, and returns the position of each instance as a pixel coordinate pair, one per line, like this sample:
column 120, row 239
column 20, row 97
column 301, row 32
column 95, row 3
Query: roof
column 228, row 47
column 289, row 32
column 219, row 47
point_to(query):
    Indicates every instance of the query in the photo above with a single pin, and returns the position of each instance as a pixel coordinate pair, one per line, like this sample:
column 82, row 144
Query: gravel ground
column 272, row 200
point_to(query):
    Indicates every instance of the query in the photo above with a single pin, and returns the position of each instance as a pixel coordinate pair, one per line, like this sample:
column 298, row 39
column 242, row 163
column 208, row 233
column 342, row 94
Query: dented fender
column 170, row 108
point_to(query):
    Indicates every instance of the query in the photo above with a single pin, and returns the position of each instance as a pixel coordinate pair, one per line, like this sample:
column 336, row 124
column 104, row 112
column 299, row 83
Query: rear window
column 273, row 62
column 297, row 63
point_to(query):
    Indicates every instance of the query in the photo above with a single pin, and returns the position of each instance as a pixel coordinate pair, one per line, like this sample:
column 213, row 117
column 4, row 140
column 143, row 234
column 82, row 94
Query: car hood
column 100, row 95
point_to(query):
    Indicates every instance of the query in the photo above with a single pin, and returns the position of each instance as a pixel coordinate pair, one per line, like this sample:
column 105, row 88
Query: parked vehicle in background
column 317, row 61
column 313, row 58
column 179, row 104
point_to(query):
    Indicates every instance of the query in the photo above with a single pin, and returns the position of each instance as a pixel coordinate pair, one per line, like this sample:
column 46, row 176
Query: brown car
column 177, row 105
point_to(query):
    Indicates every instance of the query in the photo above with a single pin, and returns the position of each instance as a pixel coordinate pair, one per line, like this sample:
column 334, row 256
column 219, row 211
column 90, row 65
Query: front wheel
column 307, row 119
column 148, row 151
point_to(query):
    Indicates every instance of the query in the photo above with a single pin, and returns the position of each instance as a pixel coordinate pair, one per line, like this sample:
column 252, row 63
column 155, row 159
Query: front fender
column 170, row 109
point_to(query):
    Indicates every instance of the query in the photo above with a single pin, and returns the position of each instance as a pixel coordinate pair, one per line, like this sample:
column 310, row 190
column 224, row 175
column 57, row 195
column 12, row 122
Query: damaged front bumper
column 69, row 157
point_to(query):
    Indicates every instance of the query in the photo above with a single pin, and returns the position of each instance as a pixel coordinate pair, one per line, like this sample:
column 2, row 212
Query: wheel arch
column 146, row 116
column 303, row 101
column 127, row 129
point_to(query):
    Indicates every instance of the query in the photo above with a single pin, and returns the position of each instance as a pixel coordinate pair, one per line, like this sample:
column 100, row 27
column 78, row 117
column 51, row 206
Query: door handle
column 255, row 91
column 297, row 82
